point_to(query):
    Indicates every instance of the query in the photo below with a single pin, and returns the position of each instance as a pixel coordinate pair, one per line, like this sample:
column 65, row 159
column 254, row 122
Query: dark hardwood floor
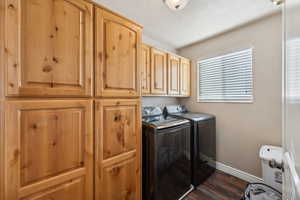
column 219, row 186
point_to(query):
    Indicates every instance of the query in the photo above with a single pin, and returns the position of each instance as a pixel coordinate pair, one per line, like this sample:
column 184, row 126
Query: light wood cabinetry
column 118, row 149
column 2, row 155
column 169, row 74
column 185, row 77
column 48, row 48
column 47, row 145
column 118, row 56
column 158, row 72
column 146, row 69
column 173, row 75
column 49, row 149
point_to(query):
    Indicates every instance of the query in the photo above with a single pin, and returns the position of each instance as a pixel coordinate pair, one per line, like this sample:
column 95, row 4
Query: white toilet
column 271, row 159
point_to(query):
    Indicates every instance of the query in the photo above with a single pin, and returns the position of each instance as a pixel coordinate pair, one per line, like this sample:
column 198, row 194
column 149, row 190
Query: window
column 226, row 78
column 293, row 70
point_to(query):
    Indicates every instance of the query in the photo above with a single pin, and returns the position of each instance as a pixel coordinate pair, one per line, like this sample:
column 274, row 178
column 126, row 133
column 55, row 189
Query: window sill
column 224, row 101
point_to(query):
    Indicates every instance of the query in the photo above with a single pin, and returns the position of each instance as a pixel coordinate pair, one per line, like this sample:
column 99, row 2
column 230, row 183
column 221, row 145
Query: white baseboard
column 238, row 173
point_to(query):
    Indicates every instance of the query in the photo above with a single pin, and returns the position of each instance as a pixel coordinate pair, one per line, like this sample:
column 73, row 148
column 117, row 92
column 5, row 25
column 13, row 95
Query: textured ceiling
column 199, row 20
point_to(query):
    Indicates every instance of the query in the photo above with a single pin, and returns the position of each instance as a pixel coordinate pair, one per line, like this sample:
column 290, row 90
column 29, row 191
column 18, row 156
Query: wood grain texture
column 49, row 148
column 72, row 190
column 173, row 75
column 146, row 69
column 49, row 48
column 219, row 186
column 118, row 149
column 185, row 77
column 159, row 72
column 49, row 143
column 2, row 41
column 118, row 56
column 2, row 153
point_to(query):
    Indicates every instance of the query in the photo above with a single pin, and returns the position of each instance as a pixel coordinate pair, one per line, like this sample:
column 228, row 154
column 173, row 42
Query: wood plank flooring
column 219, row 186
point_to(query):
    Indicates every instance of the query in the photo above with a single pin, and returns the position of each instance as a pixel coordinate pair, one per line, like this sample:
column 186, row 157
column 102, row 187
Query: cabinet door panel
column 45, row 135
column 173, row 75
column 72, row 190
column 120, row 176
column 158, row 72
column 118, row 47
column 119, row 130
column 49, row 143
column 118, row 149
column 185, row 86
column 49, row 48
column 146, row 68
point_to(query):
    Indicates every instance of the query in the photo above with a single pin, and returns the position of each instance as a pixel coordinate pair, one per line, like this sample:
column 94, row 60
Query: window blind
column 293, row 70
column 226, row 78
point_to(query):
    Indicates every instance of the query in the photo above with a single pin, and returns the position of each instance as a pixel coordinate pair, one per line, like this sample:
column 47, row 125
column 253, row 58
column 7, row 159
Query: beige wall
column 241, row 127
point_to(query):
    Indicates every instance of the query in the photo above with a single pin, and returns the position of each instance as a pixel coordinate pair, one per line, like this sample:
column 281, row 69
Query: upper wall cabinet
column 118, row 49
column 146, row 69
column 185, row 77
column 173, row 75
column 48, row 48
column 158, row 72
column 169, row 74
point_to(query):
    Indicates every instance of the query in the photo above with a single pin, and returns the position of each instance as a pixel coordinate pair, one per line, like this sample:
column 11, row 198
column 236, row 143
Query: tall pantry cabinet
column 117, row 121
column 70, row 102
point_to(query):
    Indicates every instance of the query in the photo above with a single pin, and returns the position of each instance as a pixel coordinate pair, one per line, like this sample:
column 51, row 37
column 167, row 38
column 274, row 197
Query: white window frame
column 199, row 100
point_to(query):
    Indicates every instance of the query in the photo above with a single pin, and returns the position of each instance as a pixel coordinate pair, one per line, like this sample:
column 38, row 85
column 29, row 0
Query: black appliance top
column 181, row 111
column 153, row 117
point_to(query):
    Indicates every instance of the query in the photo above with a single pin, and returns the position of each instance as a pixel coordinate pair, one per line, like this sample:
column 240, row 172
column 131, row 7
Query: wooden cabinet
column 146, row 69
column 118, row 149
column 169, row 74
column 47, row 144
column 49, row 48
column 185, row 77
column 173, row 75
column 118, row 55
column 2, row 155
column 48, row 150
column 158, row 72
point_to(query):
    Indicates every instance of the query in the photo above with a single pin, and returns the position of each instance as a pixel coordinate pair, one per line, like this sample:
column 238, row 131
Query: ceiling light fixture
column 277, row 2
column 176, row 4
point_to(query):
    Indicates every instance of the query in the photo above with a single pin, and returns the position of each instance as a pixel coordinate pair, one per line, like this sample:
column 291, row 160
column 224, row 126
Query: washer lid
column 160, row 122
column 194, row 116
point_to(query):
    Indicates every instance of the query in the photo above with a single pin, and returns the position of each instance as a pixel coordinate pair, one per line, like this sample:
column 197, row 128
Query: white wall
column 159, row 101
column 241, row 127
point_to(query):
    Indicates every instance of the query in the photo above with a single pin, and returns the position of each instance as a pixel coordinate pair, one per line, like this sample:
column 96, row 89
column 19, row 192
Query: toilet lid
column 271, row 152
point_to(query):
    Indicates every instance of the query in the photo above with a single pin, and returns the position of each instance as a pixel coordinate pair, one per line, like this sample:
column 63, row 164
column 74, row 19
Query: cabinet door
column 49, row 150
column 118, row 47
column 118, row 149
column 2, row 156
column 173, row 75
column 145, row 74
column 49, row 48
column 158, row 72
column 185, row 86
